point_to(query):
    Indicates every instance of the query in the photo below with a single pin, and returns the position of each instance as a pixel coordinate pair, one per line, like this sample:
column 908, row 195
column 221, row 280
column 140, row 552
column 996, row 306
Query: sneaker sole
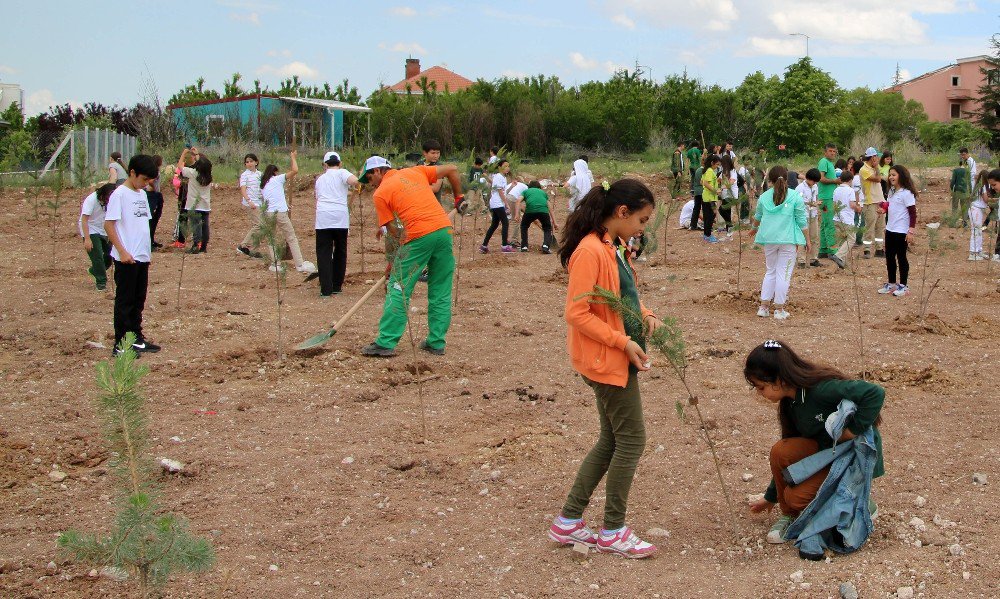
column 649, row 553
column 570, row 541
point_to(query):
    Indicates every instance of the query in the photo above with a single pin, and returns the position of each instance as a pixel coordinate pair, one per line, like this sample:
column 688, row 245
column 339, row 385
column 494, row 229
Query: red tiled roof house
column 951, row 92
column 438, row 78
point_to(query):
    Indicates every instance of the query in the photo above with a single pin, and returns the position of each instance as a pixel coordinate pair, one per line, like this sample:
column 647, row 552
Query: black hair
column 813, row 174
column 776, row 362
column 994, row 175
column 596, row 207
column 584, row 158
column 729, row 142
column 269, row 171
column 478, row 161
column 885, row 156
column 778, row 178
column 694, row 144
column 495, row 150
column 727, row 163
column 841, row 164
column 158, row 160
column 104, row 193
column 851, row 160
column 502, row 162
column 431, row 144
column 711, row 159
column 857, row 166
column 830, row 146
column 682, row 143
column 204, row 167
column 535, row 185
column 252, row 157
column 846, row 176
column 905, row 181
column 117, row 157
column 333, row 161
column 962, row 150
column 143, row 164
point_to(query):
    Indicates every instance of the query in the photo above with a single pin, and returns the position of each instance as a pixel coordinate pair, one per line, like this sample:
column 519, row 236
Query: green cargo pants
column 434, row 251
column 100, row 259
column 616, row 453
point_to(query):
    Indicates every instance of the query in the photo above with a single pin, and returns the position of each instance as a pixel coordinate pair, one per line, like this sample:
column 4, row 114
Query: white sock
column 610, row 533
column 568, row 521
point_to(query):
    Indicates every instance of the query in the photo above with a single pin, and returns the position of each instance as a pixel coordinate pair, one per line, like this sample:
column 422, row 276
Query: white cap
column 371, row 164
column 329, row 155
column 870, row 152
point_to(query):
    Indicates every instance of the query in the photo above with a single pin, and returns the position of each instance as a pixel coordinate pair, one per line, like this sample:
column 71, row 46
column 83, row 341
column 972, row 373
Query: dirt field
column 309, row 476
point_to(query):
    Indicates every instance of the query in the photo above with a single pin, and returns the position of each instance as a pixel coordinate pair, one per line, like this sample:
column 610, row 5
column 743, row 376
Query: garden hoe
column 321, row 338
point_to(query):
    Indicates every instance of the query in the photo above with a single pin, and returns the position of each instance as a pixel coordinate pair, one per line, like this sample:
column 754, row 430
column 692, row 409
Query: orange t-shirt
column 407, row 194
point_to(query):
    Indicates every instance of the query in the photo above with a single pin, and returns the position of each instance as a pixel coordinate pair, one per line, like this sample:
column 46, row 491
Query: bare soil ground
column 464, row 514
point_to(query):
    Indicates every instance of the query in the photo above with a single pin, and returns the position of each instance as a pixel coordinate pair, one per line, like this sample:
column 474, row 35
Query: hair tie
column 772, row 344
column 606, row 185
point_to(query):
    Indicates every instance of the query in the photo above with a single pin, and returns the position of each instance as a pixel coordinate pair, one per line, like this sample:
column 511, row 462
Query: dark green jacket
column 959, row 180
column 677, row 162
column 810, row 408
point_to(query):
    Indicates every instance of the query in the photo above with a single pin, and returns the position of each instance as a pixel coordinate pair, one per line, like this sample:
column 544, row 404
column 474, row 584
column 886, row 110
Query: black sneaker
column 375, row 350
column 117, row 352
column 143, row 346
column 524, row 248
column 837, row 261
column 546, row 250
column 815, row 263
column 880, row 253
column 431, row 350
column 424, row 276
column 243, row 250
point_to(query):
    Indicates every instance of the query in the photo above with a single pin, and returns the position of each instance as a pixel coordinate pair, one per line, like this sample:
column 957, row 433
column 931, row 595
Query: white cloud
column 512, row 74
column 252, row 18
column 248, row 5
column 904, row 75
column 403, row 11
column 286, row 53
column 893, row 26
column 413, row 48
column 940, row 6
column 624, row 21
column 41, row 100
column 773, row 46
column 711, row 15
column 689, row 57
column 295, row 67
column 6, row 70
column 582, row 62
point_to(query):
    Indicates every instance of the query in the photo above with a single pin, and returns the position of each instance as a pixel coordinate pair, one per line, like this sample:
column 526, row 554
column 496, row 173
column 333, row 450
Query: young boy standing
column 847, row 205
column 677, row 167
column 807, row 189
column 127, row 224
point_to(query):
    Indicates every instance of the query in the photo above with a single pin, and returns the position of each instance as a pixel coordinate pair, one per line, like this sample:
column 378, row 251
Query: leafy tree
column 193, row 93
column 797, row 119
column 231, row 88
column 988, row 114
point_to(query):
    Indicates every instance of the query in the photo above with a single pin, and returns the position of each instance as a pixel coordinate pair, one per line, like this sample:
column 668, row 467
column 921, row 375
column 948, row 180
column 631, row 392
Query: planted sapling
column 267, row 234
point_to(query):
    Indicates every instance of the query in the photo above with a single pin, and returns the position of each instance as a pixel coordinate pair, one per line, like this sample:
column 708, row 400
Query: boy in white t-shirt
column 333, row 222
column 95, row 239
column 126, row 222
column 846, row 207
column 809, row 192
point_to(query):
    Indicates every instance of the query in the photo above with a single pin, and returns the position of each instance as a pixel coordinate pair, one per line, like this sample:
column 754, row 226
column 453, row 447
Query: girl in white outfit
column 977, row 216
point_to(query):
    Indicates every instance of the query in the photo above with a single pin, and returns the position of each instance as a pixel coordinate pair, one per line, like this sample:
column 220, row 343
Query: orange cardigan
column 596, row 336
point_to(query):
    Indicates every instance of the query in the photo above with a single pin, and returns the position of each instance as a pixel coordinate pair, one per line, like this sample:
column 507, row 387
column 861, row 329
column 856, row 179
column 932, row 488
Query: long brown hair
column 776, row 362
column 596, row 207
column 117, row 157
column 778, row 177
column 905, row 181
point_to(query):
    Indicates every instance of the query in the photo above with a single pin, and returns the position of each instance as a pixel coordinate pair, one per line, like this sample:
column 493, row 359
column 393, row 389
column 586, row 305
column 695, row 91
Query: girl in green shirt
column 806, row 393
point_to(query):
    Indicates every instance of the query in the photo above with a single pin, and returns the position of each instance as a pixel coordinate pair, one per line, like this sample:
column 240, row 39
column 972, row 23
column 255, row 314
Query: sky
column 63, row 53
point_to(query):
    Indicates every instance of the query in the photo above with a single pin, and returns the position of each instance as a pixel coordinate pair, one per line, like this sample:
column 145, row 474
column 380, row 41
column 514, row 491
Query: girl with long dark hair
column 272, row 192
column 900, row 225
column 498, row 209
column 199, row 198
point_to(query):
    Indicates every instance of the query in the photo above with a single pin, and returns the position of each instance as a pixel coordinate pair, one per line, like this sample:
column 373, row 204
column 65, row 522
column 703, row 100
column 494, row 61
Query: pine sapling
column 668, row 339
column 267, row 234
column 400, row 281
column 57, row 185
column 145, row 543
column 183, row 230
column 934, row 245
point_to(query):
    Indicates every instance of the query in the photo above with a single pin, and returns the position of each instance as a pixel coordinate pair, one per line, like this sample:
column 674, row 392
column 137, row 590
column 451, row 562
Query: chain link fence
column 81, row 154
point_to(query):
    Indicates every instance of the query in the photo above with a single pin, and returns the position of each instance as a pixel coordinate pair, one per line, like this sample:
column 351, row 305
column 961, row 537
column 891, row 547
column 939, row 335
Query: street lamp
column 807, row 41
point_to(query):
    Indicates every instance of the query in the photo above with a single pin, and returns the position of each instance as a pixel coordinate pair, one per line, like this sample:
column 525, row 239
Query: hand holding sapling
column 759, row 505
column 636, row 356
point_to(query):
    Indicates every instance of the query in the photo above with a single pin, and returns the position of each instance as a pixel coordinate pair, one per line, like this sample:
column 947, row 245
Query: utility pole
column 807, row 41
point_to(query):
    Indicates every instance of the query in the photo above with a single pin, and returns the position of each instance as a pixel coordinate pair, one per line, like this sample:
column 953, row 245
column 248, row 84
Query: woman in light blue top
column 780, row 226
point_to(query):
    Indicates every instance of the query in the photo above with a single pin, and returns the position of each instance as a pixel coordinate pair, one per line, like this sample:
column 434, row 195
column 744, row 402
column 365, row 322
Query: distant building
column 948, row 93
column 311, row 121
column 438, row 78
column 9, row 94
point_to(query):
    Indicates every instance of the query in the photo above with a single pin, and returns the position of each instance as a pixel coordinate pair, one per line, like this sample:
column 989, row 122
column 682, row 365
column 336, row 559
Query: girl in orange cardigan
column 608, row 353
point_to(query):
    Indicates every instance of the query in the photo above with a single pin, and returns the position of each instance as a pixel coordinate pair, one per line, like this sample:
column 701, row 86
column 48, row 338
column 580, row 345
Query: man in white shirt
column 126, row 222
column 970, row 163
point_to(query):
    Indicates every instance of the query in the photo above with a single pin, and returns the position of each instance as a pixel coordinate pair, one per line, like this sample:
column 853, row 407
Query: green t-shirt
column 694, row 157
column 827, row 169
column 475, row 173
column 698, row 189
column 535, row 200
column 710, row 186
column 630, row 295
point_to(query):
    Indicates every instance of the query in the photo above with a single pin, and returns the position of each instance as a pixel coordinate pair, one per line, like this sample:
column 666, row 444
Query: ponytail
column 117, row 157
column 596, row 207
column 269, row 171
column 778, row 178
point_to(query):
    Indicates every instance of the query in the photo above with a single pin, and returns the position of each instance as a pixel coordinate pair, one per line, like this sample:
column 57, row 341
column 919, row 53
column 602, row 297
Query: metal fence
column 90, row 151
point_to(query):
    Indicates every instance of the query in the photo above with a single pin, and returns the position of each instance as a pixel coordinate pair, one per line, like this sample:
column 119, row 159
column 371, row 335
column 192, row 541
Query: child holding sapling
column 846, row 208
column 603, row 349
column 811, row 406
column 536, row 203
column 780, row 227
column 199, row 197
column 95, row 238
column 515, row 191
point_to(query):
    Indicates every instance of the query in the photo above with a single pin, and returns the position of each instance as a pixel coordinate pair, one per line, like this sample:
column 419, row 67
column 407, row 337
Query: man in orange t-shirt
column 406, row 194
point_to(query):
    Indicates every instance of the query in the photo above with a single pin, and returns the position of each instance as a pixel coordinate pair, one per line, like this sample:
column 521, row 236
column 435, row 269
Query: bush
column 943, row 137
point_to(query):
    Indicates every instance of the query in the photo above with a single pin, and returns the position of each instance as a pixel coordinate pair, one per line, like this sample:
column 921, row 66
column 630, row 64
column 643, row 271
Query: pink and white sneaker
column 626, row 544
column 568, row 534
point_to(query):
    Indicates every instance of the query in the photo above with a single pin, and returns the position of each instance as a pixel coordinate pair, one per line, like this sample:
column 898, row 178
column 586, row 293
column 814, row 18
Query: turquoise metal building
column 284, row 119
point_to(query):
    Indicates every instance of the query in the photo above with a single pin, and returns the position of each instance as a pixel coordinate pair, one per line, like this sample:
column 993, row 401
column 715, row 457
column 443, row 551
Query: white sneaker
column 996, row 257
column 626, row 544
column 781, row 314
column 276, row 267
column 887, row 288
column 763, row 312
column 901, row 290
column 776, row 535
column 306, row 267
column 974, row 257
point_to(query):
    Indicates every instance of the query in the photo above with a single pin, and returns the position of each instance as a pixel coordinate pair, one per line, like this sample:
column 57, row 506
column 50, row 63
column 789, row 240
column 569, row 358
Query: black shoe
column 142, row 346
column 815, row 263
column 880, row 253
column 423, row 277
column 431, row 350
column 546, row 250
column 815, row 557
column 243, row 250
column 375, row 350
column 838, row 262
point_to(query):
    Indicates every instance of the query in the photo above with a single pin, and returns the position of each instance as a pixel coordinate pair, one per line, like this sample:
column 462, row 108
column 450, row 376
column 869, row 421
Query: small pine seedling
column 57, row 185
column 145, row 542
column 267, row 233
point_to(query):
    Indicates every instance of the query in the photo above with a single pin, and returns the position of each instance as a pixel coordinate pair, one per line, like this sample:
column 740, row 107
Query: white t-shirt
column 686, row 212
column 493, row 159
column 842, row 198
column 95, row 213
column 808, row 197
column 574, row 193
column 517, row 190
column 251, row 180
column 199, row 196
column 729, row 188
column 274, row 194
column 973, row 171
column 331, row 199
column 499, row 184
column 898, row 219
column 130, row 212
column 858, row 189
column 980, row 201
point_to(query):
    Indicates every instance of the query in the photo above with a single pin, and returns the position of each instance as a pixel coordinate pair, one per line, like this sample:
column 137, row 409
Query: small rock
column 594, row 586
column 918, row 524
column 96, row 345
column 273, row 567
column 966, row 575
column 904, row 593
column 57, row 476
column 747, row 477
column 495, row 475
column 919, row 501
column 483, row 492
column 659, row 449
column 796, row 576
column 956, row 550
column 581, row 548
column 171, row 466
column 347, row 460
column 51, row 567
column 114, row 573
column 979, row 479
column 806, row 585
column 93, row 574
column 658, row 532
column 848, row 591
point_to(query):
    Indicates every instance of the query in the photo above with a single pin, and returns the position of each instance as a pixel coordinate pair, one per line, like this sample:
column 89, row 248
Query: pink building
column 950, row 92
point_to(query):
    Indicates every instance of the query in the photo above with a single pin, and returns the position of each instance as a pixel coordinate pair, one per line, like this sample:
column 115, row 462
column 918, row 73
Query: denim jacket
column 838, row 518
